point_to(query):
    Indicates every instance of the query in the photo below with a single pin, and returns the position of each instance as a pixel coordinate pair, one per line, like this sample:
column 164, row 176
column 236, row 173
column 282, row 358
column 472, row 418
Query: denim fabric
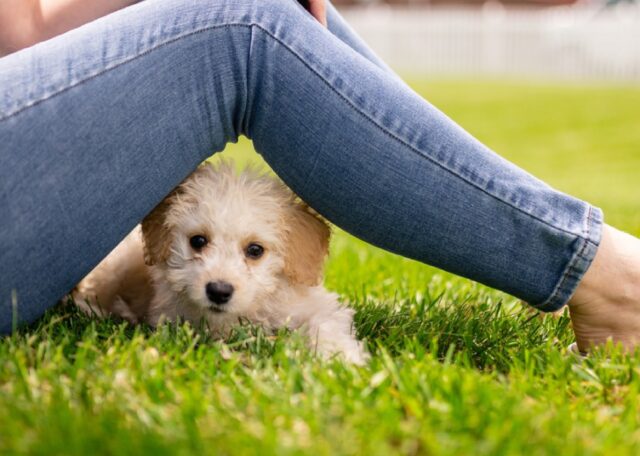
column 97, row 125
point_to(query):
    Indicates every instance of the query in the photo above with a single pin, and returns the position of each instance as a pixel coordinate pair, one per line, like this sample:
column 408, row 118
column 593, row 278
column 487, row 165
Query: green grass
column 457, row 368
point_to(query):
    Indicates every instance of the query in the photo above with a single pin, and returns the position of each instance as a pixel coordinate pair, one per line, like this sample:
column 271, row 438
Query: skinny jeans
column 99, row 124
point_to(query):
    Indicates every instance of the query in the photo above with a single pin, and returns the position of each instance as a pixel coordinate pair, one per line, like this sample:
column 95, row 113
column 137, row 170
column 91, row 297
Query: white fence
column 561, row 42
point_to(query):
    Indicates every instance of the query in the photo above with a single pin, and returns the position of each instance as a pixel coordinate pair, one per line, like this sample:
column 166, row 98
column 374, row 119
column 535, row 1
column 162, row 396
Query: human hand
column 317, row 8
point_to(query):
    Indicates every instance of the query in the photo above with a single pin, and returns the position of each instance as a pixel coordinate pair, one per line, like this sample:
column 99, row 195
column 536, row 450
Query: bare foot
column 606, row 304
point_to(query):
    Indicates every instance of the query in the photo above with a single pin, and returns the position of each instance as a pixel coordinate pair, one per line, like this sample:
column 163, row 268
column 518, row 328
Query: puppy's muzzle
column 219, row 292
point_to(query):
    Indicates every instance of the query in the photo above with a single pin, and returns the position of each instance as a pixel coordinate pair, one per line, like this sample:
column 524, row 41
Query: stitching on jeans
column 572, row 271
column 295, row 54
column 247, row 87
column 573, row 263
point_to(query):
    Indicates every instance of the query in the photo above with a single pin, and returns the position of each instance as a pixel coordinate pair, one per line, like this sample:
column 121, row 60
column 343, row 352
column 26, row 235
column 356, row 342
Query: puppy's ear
column 307, row 245
column 156, row 235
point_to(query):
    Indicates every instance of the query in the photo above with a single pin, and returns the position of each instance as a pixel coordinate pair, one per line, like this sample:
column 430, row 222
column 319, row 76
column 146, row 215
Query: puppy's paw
column 356, row 354
column 334, row 336
column 121, row 309
column 88, row 305
column 350, row 350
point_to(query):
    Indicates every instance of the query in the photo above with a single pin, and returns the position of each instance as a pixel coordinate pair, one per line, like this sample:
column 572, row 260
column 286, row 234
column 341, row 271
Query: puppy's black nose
column 219, row 292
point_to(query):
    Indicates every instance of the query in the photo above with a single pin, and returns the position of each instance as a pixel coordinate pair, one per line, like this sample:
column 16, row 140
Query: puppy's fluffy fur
column 161, row 270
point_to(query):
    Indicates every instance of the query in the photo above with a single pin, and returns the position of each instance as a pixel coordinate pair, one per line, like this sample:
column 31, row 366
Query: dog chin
column 217, row 309
column 206, row 306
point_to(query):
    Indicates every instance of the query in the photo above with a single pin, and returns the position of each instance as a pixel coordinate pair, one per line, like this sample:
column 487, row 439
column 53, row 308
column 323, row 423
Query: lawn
column 457, row 368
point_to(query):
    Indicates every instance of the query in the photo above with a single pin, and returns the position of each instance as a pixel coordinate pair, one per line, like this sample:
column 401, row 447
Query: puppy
column 221, row 248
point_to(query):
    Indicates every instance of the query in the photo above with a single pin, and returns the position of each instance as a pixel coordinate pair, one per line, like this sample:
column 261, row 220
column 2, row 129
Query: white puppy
column 221, row 248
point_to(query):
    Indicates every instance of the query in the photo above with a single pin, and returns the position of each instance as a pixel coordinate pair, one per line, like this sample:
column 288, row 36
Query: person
column 99, row 123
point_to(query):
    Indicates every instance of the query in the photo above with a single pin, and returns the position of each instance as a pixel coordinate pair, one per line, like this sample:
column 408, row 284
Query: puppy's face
column 227, row 243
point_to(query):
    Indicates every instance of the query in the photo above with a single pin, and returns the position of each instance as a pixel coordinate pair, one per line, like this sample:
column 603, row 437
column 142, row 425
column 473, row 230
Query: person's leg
column 99, row 124
column 606, row 303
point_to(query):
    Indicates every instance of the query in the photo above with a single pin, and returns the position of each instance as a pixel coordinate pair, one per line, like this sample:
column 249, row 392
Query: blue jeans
column 99, row 124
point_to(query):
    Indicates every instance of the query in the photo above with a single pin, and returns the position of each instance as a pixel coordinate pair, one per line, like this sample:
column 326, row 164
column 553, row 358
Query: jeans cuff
column 585, row 251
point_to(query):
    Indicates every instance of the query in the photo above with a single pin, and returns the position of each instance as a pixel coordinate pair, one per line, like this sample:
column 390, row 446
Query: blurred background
column 594, row 40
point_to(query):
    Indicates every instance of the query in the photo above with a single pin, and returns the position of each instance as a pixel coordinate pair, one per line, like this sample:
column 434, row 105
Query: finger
column 318, row 9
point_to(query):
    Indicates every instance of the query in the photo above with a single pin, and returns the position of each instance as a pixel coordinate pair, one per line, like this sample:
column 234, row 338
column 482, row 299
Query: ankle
column 614, row 275
column 606, row 304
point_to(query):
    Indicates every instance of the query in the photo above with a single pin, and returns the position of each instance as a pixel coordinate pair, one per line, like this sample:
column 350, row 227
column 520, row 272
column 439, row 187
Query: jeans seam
column 571, row 271
column 248, row 103
column 313, row 70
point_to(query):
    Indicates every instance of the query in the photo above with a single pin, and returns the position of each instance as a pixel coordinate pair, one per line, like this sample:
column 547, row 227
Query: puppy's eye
column 254, row 251
column 198, row 241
